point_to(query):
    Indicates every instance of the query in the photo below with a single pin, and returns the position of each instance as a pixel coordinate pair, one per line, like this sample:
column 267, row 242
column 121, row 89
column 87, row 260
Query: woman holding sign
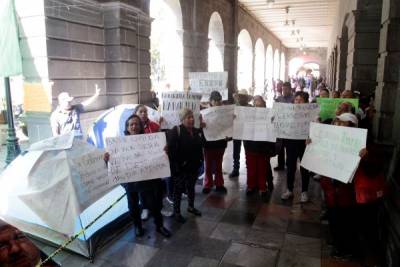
column 186, row 154
column 257, row 159
column 295, row 150
column 150, row 190
column 213, row 155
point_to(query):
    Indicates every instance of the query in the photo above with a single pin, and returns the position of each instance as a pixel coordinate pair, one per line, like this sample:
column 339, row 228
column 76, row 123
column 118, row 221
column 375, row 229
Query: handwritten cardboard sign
column 206, row 82
column 334, row 151
column 292, row 121
column 173, row 102
column 137, row 157
column 219, row 122
column 328, row 106
column 254, row 124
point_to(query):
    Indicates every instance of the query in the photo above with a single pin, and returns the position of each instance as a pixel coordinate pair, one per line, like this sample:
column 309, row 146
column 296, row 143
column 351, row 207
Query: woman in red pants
column 257, row 160
column 213, row 155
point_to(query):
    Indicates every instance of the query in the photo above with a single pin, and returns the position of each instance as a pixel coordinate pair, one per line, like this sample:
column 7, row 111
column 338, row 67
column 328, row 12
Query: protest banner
column 219, row 122
column 334, row 151
column 292, row 121
column 94, row 180
column 137, row 157
column 173, row 102
column 206, row 82
column 253, row 124
column 328, row 106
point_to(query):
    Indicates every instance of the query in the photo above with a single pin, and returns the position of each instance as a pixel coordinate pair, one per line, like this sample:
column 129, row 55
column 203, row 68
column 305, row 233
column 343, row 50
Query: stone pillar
column 386, row 124
column 37, row 93
column 77, row 44
column 195, row 53
column 342, row 60
column 387, row 91
column 127, row 56
column 364, row 27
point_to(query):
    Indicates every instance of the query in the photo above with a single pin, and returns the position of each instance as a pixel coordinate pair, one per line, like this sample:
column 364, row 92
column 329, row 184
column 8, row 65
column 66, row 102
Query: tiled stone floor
column 235, row 230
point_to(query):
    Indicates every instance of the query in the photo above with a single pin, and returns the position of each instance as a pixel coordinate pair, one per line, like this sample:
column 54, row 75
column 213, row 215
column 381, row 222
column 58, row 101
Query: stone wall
column 355, row 42
column 81, row 43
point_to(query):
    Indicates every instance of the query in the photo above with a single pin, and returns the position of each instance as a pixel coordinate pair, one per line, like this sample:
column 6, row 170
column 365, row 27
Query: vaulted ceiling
column 297, row 23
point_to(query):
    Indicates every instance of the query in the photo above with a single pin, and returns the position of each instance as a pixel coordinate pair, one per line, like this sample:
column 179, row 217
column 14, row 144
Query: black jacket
column 260, row 147
column 185, row 151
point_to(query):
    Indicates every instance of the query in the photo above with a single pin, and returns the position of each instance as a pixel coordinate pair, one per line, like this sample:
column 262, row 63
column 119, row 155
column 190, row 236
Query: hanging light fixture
column 287, row 16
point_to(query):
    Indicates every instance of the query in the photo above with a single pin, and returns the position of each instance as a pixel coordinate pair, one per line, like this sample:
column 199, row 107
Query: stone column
column 364, row 27
column 37, row 92
column 127, row 61
column 388, row 92
column 195, row 53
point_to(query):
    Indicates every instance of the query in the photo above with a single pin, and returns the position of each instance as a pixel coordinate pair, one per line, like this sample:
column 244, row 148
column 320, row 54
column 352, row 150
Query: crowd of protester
column 351, row 209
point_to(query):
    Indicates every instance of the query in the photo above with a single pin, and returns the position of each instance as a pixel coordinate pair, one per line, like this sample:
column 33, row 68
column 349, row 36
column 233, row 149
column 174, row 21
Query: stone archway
column 283, row 67
column 216, row 43
column 166, row 45
column 342, row 59
column 276, row 64
column 259, row 65
column 245, row 61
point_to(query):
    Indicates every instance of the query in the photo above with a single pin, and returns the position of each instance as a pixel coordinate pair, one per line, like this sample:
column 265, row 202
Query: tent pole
column 13, row 149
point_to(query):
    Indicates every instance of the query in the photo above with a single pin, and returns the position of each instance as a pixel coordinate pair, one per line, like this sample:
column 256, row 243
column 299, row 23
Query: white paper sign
column 219, row 122
column 253, row 124
column 93, row 176
column 54, row 143
column 292, row 121
column 137, row 157
column 173, row 102
column 206, row 82
column 334, row 151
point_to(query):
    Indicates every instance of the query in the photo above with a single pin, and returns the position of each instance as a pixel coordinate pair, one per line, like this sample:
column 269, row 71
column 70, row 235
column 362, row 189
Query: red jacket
column 338, row 194
column 368, row 189
column 151, row 127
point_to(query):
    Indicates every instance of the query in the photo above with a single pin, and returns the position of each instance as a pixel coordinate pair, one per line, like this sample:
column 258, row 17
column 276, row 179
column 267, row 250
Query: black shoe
column 234, row 174
column 139, row 231
column 270, row 185
column 206, row 190
column 264, row 194
column 279, row 168
column 221, row 189
column 164, row 231
column 179, row 218
column 194, row 211
column 250, row 192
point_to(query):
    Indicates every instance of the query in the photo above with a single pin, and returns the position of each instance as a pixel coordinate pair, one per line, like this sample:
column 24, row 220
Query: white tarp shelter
column 43, row 194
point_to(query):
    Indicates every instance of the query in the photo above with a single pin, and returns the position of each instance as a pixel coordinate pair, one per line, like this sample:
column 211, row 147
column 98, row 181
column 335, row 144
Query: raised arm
column 93, row 98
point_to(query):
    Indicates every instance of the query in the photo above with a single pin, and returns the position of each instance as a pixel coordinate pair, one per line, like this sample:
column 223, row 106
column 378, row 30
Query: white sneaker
column 145, row 214
column 286, row 195
column 304, row 197
column 167, row 211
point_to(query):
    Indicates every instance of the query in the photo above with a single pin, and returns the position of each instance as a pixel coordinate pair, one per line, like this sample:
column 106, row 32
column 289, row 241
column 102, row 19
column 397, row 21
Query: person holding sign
column 340, row 201
column 286, row 97
column 257, row 159
column 213, row 155
column 185, row 150
column 295, row 150
column 150, row 190
column 242, row 98
column 149, row 127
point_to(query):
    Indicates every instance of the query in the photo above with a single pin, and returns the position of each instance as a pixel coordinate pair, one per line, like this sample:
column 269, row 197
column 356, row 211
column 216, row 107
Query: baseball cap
column 64, row 97
column 348, row 117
